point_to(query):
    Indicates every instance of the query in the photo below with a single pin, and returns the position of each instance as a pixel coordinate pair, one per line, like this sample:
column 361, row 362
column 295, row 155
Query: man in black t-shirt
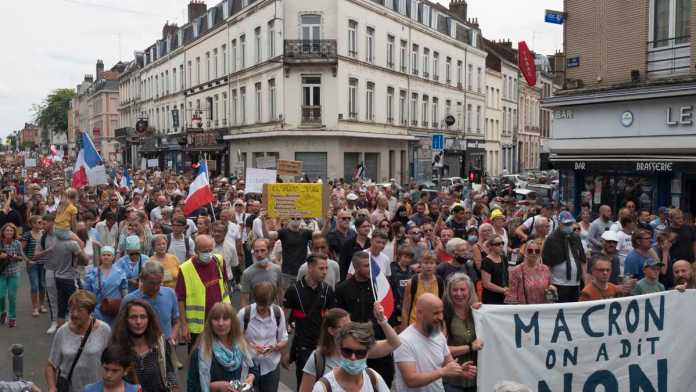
column 683, row 237
column 294, row 241
column 459, row 220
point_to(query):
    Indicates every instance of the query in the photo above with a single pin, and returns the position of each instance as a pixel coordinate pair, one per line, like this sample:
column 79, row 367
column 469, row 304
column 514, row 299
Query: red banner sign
column 526, row 63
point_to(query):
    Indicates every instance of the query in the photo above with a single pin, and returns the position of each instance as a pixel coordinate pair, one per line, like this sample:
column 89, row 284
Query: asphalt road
column 31, row 333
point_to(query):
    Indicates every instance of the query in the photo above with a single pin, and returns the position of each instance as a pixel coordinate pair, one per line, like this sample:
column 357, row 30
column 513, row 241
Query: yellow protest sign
column 286, row 200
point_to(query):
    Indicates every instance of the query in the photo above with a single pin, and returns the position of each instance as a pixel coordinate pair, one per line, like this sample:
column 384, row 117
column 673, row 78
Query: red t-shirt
column 210, row 275
column 443, row 256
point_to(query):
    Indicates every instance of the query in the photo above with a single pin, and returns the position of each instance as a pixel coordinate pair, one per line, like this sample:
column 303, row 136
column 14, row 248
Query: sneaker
column 52, row 329
column 11, row 323
column 3, row 318
column 43, row 309
column 35, row 313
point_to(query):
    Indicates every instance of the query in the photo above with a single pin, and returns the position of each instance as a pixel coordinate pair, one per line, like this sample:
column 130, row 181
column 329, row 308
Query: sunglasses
column 345, row 218
column 533, row 251
column 496, row 243
column 348, row 353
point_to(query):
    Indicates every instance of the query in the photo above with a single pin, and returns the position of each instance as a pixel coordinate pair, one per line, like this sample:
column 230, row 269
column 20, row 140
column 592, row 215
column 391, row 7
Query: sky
column 54, row 43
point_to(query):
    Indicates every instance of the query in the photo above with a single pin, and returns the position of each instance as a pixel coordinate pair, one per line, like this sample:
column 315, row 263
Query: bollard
column 17, row 351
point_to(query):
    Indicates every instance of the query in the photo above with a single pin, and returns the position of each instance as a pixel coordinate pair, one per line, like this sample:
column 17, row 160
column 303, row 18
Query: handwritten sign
column 256, row 178
column 638, row 343
column 29, row 162
column 289, row 168
column 295, row 200
column 153, row 162
column 266, row 162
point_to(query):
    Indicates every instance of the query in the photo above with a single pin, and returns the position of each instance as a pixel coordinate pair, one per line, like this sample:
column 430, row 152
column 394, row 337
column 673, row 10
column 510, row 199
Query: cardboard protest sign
column 640, row 343
column 290, row 168
column 256, row 178
column 289, row 200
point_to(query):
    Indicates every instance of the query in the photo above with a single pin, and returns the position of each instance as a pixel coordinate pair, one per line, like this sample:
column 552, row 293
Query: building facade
column 334, row 85
column 29, row 136
column 494, row 115
column 622, row 126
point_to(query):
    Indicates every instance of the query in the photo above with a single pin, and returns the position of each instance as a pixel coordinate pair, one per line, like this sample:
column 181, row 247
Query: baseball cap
column 107, row 249
column 651, row 262
column 610, row 235
column 352, row 196
column 566, row 218
column 497, row 214
column 133, row 243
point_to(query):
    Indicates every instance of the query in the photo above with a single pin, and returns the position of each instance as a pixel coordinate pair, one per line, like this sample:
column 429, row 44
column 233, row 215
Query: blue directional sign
column 572, row 62
column 438, row 141
column 555, row 17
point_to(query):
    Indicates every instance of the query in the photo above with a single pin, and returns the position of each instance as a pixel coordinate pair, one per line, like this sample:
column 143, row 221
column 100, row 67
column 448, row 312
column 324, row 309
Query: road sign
column 449, row 120
column 555, row 17
column 438, row 141
column 573, row 62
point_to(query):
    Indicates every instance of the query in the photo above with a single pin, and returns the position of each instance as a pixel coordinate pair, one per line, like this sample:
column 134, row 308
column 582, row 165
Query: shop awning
column 637, row 163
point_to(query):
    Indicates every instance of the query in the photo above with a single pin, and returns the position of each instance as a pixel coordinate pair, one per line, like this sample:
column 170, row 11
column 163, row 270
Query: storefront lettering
column 654, row 166
column 579, row 165
column 685, row 116
column 565, row 114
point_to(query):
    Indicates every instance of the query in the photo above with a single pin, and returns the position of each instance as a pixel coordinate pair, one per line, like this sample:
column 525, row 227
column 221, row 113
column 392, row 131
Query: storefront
column 207, row 145
column 454, row 158
column 475, row 155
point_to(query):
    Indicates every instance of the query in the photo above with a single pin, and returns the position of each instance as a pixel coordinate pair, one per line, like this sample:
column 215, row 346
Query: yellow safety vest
column 195, row 294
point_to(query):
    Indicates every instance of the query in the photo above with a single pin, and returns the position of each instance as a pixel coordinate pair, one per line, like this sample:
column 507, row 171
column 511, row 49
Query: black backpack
column 247, row 315
column 186, row 243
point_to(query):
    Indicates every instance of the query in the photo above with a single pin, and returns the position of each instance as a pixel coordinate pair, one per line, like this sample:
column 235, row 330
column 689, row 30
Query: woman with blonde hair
column 221, row 353
column 66, row 214
column 169, row 262
column 11, row 256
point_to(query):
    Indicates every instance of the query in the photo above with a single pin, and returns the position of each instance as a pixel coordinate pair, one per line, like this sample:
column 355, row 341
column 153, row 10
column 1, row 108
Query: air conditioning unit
column 340, row 116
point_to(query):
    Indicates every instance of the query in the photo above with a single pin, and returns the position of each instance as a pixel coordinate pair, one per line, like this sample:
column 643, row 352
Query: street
column 31, row 332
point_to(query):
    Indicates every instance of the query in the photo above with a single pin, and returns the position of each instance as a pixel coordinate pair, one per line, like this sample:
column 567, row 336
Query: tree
column 52, row 114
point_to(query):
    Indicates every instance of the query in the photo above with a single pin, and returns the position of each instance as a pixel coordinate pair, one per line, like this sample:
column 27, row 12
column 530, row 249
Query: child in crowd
column 116, row 363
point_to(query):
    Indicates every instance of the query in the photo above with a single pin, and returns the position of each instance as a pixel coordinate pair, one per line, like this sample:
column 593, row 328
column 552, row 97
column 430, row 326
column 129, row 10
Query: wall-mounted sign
column 572, row 62
column 563, row 114
column 555, row 17
column 627, row 118
column 685, row 116
column 204, row 139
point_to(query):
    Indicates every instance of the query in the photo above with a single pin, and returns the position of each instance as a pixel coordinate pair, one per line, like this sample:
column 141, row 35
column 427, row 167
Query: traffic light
column 474, row 176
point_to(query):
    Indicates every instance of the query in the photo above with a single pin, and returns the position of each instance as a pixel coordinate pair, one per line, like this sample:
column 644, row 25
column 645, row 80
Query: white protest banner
column 29, row 162
column 153, row 163
column 255, row 178
column 266, row 162
column 643, row 343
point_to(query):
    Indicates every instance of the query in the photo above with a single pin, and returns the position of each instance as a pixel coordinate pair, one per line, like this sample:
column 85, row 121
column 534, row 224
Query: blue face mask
column 472, row 238
column 567, row 229
column 353, row 367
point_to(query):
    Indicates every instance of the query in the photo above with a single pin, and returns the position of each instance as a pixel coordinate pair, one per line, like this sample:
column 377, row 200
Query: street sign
column 438, row 141
column 555, row 17
column 438, row 159
column 573, row 62
column 449, row 120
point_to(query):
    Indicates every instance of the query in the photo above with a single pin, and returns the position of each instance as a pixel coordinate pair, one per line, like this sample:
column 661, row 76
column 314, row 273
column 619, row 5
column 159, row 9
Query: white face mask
column 205, row 257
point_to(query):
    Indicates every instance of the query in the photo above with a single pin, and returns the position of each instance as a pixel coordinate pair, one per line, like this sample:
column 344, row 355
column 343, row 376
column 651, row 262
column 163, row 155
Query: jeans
column 568, row 293
column 268, row 382
column 37, row 278
column 51, row 293
column 300, row 356
column 8, row 288
column 457, row 388
column 65, row 288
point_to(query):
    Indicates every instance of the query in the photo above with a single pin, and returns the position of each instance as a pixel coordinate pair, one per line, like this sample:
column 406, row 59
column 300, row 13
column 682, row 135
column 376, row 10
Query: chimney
column 196, row 8
column 89, row 78
column 169, row 29
column 458, row 7
column 100, row 69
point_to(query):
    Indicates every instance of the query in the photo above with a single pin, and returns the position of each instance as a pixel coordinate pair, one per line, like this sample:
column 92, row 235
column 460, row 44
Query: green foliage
column 52, row 114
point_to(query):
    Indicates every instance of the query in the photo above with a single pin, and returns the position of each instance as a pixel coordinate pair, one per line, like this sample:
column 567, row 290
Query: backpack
column 414, row 288
column 371, row 373
column 186, row 243
column 247, row 315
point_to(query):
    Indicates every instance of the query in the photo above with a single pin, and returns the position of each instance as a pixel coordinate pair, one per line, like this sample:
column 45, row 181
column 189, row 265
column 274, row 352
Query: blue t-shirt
column 164, row 304
column 633, row 264
column 99, row 387
column 132, row 269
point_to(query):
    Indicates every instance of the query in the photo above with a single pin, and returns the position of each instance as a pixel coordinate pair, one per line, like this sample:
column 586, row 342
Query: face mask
column 204, row 257
column 263, row 262
column 462, row 259
column 567, row 229
column 353, row 367
column 472, row 238
column 294, row 224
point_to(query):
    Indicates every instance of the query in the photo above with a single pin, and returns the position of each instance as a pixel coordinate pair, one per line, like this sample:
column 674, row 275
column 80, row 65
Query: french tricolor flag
column 199, row 194
column 89, row 168
column 381, row 288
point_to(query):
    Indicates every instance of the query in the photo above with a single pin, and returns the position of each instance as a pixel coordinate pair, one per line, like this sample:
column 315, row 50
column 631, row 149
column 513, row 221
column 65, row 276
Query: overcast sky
column 53, row 43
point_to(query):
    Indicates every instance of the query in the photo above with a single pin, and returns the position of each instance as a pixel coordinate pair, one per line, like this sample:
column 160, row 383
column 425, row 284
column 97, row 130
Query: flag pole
column 372, row 281
column 212, row 210
column 207, row 175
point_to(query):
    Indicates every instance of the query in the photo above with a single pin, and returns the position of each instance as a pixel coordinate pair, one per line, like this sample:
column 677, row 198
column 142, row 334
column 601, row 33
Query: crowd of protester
column 125, row 276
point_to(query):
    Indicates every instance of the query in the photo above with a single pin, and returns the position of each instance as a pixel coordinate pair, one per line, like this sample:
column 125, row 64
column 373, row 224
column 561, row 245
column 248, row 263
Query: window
column 402, row 6
column 370, row 102
column 403, row 59
column 469, row 76
column 435, row 113
column 505, row 85
column 156, row 86
column 208, row 72
column 514, row 119
column 224, row 59
column 403, row 112
column 311, row 99
column 271, row 39
column 424, row 111
column 448, row 69
column 504, row 119
column 478, row 118
column 272, row 100
column 390, row 51
column 426, row 62
column 670, row 24
column 311, row 27
column 216, row 111
column 233, row 59
column 468, row 117
column 414, row 59
column 414, row 109
column 257, row 44
column 352, row 98
column 459, row 73
column 198, row 70
column 166, row 81
column 390, row 105
column 181, row 77
column 352, row 38
column 224, row 108
column 233, row 110
column 242, row 52
column 478, row 79
column 370, row 45
column 242, row 105
column 259, row 104
column 436, row 66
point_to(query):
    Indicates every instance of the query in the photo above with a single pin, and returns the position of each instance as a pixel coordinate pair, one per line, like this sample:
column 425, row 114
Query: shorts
column 37, row 278
column 62, row 234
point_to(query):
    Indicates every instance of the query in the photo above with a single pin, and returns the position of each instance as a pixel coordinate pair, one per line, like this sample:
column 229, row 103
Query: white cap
column 610, row 235
column 352, row 196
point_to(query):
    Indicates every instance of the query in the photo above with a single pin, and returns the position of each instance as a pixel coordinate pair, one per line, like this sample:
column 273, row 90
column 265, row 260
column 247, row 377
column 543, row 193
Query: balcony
column 310, row 52
column 311, row 115
column 669, row 57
